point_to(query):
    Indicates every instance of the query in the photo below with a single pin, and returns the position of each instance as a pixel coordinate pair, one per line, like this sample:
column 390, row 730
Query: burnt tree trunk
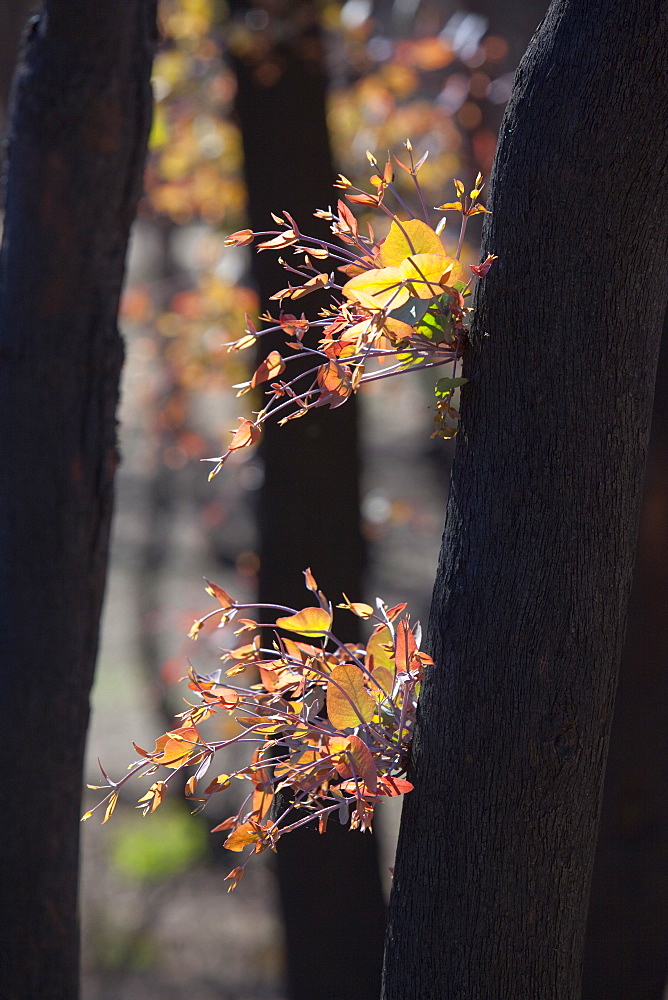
column 626, row 954
column 78, row 134
column 497, row 841
column 331, row 895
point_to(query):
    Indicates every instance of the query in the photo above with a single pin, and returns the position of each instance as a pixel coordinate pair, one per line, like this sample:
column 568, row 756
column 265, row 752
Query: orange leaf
column 247, row 833
column 311, row 621
column 221, row 595
column 381, row 648
column 279, row 242
column 176, row 747
column 412, row 237
column 272, row 366
column 405, row 647
column 348, row 701
column 245, row 435
column 362, row 761
column 319, row 281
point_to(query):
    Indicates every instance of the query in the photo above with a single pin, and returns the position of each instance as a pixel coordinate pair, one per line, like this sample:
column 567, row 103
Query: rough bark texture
column 626, row 954
column 331, row 895
column 77, row 143
column 497, row 840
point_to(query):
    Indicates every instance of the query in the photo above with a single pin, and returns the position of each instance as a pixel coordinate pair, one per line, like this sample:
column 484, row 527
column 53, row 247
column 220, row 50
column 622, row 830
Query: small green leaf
column 445, row 386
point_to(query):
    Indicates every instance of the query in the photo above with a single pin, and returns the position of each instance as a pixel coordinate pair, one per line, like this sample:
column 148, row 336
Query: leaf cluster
column 397, row 303
column 329, row 723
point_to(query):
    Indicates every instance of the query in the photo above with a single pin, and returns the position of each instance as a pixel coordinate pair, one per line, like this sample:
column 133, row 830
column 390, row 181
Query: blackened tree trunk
column 13, row 19
column 626, row 954
column 497, row 841
column 331, row 894
column 79, row 129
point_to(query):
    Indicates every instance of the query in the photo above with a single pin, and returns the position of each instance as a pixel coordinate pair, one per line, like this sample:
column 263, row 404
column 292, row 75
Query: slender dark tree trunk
column 626, row 957
column 497, row 842
column 330, row 888
column 13, row 19
column 78, row 136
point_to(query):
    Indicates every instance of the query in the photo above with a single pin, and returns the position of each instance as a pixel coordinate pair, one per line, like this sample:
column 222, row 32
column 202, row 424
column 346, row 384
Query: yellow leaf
column 396, row 246
column 377, row 288
column 111, row 805
column 381, row 647
column 428, row 270
column 348, row 701
column 310, row 621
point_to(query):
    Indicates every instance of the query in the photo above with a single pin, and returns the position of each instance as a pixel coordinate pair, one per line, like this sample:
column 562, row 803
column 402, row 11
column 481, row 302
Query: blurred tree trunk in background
column 626, row 957
column 497, row 840
column 78, row 137
column 331, row 895
column 13, row 19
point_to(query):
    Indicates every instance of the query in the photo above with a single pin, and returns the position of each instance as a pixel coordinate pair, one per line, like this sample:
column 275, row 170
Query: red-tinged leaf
column 480, row 270
column 141, row 751
column 279, row 242
column 478, row 209
column 262, row 803
column 393, row 786
column 315, row 622
column 334, row 379
column 245, row 435
column 244, row 836
column 405, row 648
column 221, row 595
column 409, row 238
column 394, row 612
column 176, row 747
column 272, row 366
column 235, row 876
column 357, row 608
column 362, row 761
column 364, row 199
column 218, row 784
column 242, row 238
column 294, row 327
column 312, row 285
column 348, row 701
column 322, row 822
column 227, row 824
column 309, row 580
column 111, row 805
column 347, row 220
column 191, row 785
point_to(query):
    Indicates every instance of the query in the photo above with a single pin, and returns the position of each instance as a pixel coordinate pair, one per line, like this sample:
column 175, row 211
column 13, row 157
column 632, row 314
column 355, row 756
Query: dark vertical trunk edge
column 78, row 136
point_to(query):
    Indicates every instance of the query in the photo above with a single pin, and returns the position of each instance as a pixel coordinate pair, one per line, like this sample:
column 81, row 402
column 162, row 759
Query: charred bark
column 497, row 841
column 78, row 135
column 626, row 953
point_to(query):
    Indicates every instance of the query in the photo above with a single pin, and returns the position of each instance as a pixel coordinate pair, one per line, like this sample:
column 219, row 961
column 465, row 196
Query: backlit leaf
column 412, row 237
column 348, row 701
column 315, row 622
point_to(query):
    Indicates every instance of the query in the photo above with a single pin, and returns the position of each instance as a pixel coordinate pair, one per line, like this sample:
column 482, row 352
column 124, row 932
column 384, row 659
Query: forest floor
column 158, row 922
